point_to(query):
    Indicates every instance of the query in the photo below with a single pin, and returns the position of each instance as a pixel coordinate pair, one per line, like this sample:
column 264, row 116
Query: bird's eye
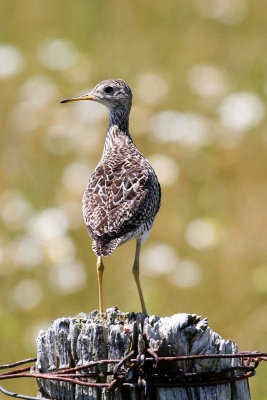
column 108, row 89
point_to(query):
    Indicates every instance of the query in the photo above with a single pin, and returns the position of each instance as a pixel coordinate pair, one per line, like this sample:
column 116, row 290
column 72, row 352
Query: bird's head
column 113, row 93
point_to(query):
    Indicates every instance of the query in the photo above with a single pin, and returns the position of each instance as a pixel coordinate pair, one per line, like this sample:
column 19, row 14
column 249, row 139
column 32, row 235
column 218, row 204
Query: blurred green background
column 198, row 73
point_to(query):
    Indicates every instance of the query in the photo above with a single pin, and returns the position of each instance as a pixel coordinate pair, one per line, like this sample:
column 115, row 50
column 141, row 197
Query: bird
column 123, row 194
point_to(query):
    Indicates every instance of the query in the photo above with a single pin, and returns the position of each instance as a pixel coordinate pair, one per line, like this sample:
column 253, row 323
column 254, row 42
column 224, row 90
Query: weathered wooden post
column 73, row 342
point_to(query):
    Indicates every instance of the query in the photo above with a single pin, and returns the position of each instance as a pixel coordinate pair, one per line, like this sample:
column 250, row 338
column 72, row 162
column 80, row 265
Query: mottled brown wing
column 120, row 197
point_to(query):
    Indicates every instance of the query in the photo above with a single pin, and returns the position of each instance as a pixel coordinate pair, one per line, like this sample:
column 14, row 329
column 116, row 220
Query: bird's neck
column 118, row 130
column 119, row 117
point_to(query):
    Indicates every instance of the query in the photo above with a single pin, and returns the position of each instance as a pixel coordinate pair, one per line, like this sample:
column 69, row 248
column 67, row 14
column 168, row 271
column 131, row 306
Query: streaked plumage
column 122, row 197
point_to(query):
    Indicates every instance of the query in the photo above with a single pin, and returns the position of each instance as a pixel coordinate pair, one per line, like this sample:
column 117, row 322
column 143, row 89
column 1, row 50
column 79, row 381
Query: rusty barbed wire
column 137, row 374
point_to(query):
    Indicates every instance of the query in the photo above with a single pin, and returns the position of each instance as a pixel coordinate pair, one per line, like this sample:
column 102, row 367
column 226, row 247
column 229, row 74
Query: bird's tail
column 105, row 248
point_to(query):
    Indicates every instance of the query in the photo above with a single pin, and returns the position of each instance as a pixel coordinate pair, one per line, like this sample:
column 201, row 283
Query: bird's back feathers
column 122, row 194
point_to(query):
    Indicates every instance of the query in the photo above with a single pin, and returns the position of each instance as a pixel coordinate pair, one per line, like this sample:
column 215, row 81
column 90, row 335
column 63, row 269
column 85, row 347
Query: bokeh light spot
column 49, row 224
column 23, row 118
column 73, row 210
column 76, row 176
column 26, row 295
column 11, row 60
column 67, row 277
column 61, row 249
column 229, row 12
column 14, row 209
column 158, row 259
column 207, row 81
column 57, row 54
column 28, row 252
column 88, row 112
column 186, row 275
column 166, row 168
column 151, row 88
column 188, row 129
column 203, row 233
column 38, row 91
column 241, row 111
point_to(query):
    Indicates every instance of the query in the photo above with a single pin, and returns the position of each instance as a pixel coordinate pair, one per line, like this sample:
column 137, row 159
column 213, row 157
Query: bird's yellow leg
column 100, row 270
column 136, row 275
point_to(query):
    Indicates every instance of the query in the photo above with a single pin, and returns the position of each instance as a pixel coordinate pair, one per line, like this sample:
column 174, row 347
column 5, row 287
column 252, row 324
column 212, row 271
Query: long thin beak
column 84, row 97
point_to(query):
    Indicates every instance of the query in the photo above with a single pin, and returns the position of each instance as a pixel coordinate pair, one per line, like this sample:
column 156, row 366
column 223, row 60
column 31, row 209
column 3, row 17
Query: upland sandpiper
column 123, row 195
